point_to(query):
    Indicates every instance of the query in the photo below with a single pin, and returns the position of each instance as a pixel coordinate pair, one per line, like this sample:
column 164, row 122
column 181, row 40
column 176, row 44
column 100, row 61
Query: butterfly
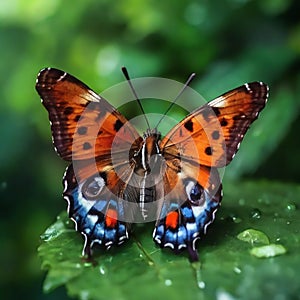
column 118, row 177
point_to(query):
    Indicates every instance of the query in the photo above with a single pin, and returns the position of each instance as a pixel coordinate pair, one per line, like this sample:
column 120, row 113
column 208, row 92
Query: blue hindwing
column 90, row 216
column 191, row 224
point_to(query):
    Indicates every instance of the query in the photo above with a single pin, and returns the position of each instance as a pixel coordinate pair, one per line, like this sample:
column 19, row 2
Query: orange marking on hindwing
column 172, row 220
column 111, row 218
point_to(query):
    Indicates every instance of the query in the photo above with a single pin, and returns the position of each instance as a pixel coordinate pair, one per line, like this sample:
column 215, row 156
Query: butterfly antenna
column 125, row 72
column 177, row 97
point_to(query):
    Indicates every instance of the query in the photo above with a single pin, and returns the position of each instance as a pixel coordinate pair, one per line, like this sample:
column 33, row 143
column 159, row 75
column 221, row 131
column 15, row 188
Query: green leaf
column 140, row 270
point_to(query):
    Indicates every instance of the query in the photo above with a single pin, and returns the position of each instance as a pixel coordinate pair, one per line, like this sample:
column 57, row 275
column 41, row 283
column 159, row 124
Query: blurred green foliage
column 226, row 43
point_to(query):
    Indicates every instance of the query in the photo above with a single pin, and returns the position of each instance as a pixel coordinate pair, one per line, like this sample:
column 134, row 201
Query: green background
column 227, row 43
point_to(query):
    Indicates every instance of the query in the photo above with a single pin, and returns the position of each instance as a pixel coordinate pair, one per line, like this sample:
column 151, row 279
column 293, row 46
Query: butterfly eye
column 194, row 192
column 93, row 187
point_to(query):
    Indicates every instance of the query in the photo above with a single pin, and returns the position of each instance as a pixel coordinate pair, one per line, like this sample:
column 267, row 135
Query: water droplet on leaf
column 235, row 219
column 268, row 251
column 253, row 236
column 201, row 284
column 255, row 214
column 237, row 270
column 168, row 282
column 102, row 270
column 88, row 264
column 291, row 207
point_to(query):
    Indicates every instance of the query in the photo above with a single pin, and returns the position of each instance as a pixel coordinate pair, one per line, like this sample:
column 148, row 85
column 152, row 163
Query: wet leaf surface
column 140, row 270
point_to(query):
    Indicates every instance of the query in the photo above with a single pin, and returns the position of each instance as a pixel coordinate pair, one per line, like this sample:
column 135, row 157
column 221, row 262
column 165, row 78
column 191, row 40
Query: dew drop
column 237, row 270
column 235, row 219
column 255, row 213
column 168, row 282
column 253, row 236
column 291, row 207
column 268, row 250
column 201, row 284
column 102, row 270
column 88, row 264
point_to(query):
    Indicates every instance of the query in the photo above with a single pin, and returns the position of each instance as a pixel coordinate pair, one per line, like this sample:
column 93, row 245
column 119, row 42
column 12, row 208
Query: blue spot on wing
column 187, row 212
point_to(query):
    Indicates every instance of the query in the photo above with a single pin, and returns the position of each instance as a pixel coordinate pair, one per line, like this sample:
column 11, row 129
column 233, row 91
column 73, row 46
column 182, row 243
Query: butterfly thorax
column 147, row 157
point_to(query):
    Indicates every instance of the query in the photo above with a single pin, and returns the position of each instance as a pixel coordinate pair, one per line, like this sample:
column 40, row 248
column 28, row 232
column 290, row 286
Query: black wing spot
column 239, row 117
column 68, row 110
column 189, row 125
column 118, row 125
column 216, row 111
column 77, row 118
column 87, row 146
column 208, row 150
column 224, row 122
column 82, row 130
column 207, row 114
column 216, row 135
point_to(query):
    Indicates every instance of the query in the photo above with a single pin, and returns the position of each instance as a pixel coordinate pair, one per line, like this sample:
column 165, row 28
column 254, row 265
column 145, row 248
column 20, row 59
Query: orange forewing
column 174, row 180
column 211, row 134
column 84, row 125
column 207, row 177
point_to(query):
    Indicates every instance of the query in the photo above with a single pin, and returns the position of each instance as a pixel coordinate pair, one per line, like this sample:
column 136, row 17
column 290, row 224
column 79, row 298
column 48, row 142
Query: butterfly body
column 118, row 177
